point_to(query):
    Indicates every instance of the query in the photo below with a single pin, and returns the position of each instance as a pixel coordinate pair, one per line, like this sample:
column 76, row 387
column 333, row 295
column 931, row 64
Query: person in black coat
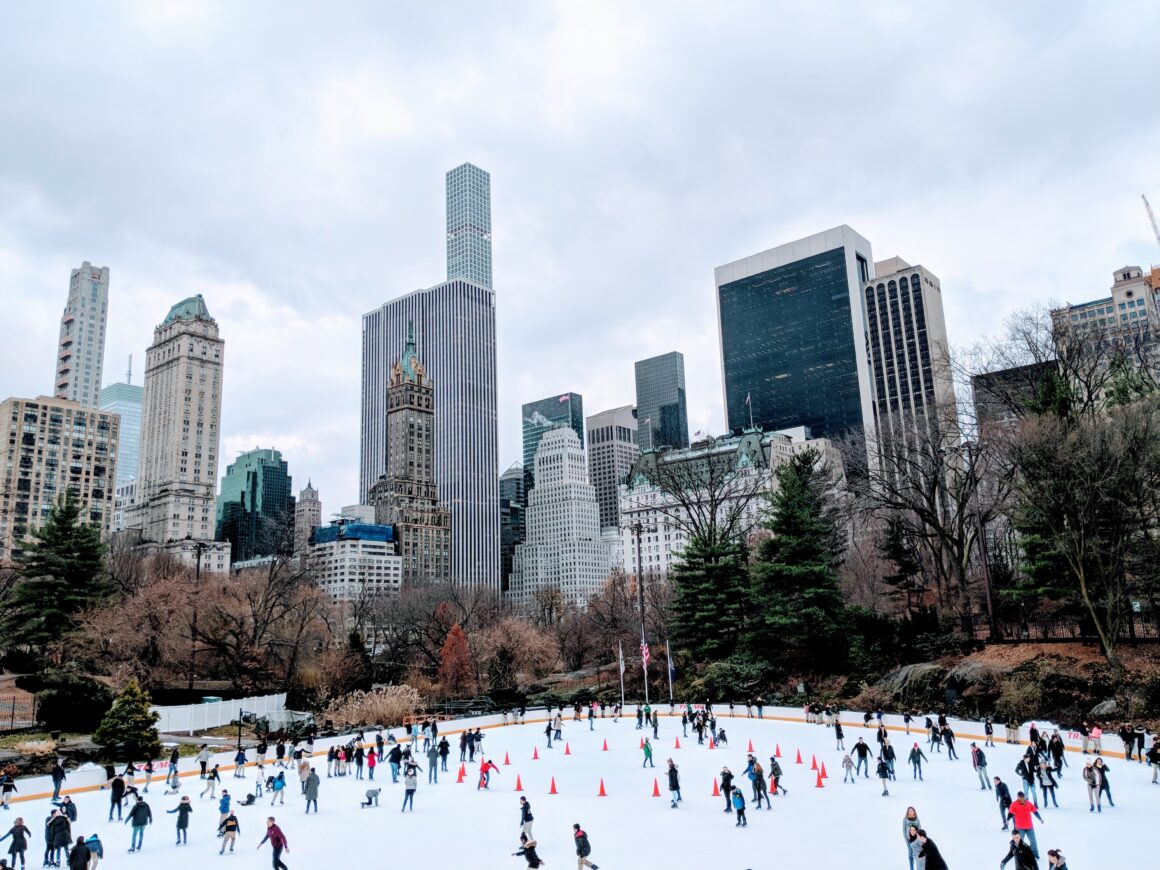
column 528, row 851
column 78, row 857
column 1021, row 852
column 929, row 852
column 1003, row 796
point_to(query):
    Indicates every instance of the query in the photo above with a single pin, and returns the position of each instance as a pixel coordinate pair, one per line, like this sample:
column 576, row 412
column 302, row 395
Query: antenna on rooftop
column 129, row 371
column 1151, row 217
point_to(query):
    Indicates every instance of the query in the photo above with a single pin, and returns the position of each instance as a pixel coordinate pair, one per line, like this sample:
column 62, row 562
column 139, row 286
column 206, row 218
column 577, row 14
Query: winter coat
column 58, row 774
column 528, row 851
column 276, row 837
column 883, row 770
column 224, row 804
column 583, row 847
column 775, row 771
column 674, row 779
column 906, row 823
column 932, row 856
column 861, row 749
column 140, row 815
column 78, row 858
column 19, row 835
column 1021, row 812
column 526, row 813
column 1024, row 857
column 738, row 800
column 978, row 759
column 183, row 811
column 230, row 824
column 726, row 781
column 648, row 752
column 59, row 831
column 312, row 783
column 69, row 809
column 95, row 847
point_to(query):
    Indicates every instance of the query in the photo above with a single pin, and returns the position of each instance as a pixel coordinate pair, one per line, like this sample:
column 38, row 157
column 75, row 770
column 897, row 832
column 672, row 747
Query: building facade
column 542, row 416
column 307, row 517
column 563, row 551
column 512, row 505
column 662, row 416
column 180, row 438
column 80, row 356
column 355, row 561
column 793, row 343
column 406, row 497
column 469, row 225
column 255, row 508
column 124, row 400
column 124, row 501
column 52, row 446
column 612, row 450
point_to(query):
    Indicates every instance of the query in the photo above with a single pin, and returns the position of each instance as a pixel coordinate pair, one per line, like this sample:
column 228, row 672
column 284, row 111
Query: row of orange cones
column 656, row 790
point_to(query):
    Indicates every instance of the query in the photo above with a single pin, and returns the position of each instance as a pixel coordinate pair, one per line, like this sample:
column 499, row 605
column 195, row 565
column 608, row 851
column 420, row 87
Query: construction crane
column 1151, row 217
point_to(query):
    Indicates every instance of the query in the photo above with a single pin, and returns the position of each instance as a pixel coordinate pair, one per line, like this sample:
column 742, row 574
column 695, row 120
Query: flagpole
column 669, row 662
column 621, row 646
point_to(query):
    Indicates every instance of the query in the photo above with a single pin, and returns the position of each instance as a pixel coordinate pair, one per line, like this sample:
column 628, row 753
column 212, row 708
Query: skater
column 930, row 857
column 883, row 772
column 96, row 851
column 648, row 754
column 486, row 766
column 240, row 764
column 1091, row 779
column 395, row 758
column 224, row 806
column 148, row 775
column 278, row 789
column 583, row 848
column 656, row 724
column 916, row 758
column 1105, row 785
column 527, row 851
column 739, row 806
column 360, row 760
column 592, row 717
column 1154, row 759
column 727, row 788
column 58, row 778
column 889, row 756
column 526, row 817
column 20, row 834
column 684, row 724
column 373, row 760
column 848, row 767
column 57, row 836
column 444, row 751
column 410, row 784
column 759, row 790
column 372, row 798
column 862, row 757
column 839, row 736
column 548, row 733
column 116, row 796
column 639, row 718
column 278, row 842
column 183, row 810
column 1055, row 860
column 989, row 732
column 948, row 737
column 979, row 763
column 171, row 775
column 228, row 830
column 203, row 757
column 674, row 784
column 1003, row 798
column 78, row 856
column 775, row 774
column 139, row 817
column 1020, row 814
column 1024, row 855
column 331, row 755
column 312, row 783
column 432, row 763
column 212, row 779
column 913, row 844
column 1047, row 785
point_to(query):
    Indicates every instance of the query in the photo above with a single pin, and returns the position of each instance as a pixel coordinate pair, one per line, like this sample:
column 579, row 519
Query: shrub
column 130, row 724
column 69, row 701
column 387, row 706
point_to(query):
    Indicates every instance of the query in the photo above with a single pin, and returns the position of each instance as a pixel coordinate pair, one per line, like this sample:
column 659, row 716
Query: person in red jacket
column 1020, row 813
column 485, row 769
column 277, row 841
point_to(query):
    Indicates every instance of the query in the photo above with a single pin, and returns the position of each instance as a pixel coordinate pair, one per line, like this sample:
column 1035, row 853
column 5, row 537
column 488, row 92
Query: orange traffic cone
column 567, row 749
column 602, row 792
column 462, row 773
column 712, row 745
column 819, row 783
column 750, row 745
column 552, row 790
column 823, row 771
column 642, row 743
column 604, row 748
column 656, row 788
column 535, row 753
column 813, row 762
column 677, row 745
column 519, row 785
column 716, row 791
column 777, row 750
column 506, row 760
column 799, row 757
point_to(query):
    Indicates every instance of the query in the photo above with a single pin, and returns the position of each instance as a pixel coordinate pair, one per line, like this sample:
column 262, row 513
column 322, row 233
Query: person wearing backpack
column 583, row 848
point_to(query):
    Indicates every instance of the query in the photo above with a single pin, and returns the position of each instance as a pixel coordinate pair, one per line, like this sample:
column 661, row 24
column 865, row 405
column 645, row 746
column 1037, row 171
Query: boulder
column 913, row 682
column 1104, row 709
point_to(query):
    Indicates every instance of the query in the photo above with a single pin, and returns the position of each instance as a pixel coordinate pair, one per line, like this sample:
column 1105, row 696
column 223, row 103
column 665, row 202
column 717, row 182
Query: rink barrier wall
column 202, row 717
column 94, row 775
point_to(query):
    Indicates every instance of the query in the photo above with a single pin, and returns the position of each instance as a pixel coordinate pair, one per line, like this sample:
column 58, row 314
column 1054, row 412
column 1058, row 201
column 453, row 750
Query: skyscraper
column 406, row 496
column 611, row 452
column 469, row 225
column 125, row 399
column 512, row 502
column 180, row 437
column 662, row 418
column 541, row 417
column 255, row 509
column 793, row 338
column 455, row 325
column 307, row 517
column 80, row 355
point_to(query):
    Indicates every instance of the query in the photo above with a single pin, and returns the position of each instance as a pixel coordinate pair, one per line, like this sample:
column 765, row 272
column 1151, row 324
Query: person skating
column 727, row 788
column 240, row 763
column 7, row 787
column 948, row 737
column 648, row 754
column 183, row 810
column 839, row 736
column 916, row 758
column 395, row 758
column 224, row 805
column 139, row 817
column 775, row 775
column 372, row 798
column 203, row 757
column 57, row 836
column 527, row 851
column 1026, row 769
column 486, row 766
column 70, row 809
column 739, row 806
column 913, row 844
column 1047, row 785
column 278, row 789
column 883, row 772
column 20, row 835
column 410, row 785
column 526, row 817
column 1020, row 813
column 78, row 856
column 116, row 796
column 862, row 758
column 759, row 789
column 674, row 784
column 278, row 843
column 930, row 856
column 639, row 718
column 1003, row 798
column 989, row 732
column 1023, row 855
column 229, row 829
column 1105, row 784
column 848, row 769
column 444, row 751
column 96, row 851
column 979, row 763
column 1055, row 860
column 211, row 782
column 432, row 763
column 311, row 794
column 171, row 773
column 583, row 848
column 1058, row 753
column 58, row 778
column 1154, row 759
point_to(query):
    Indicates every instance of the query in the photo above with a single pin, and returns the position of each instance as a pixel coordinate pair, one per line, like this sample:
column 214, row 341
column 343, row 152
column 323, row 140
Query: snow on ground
column 456, row 826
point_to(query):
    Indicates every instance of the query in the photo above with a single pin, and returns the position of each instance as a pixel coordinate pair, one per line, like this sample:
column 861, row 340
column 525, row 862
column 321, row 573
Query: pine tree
column 798, row 614
column 62, row 573
column 130, row 723
column 710, row 598
column 896, row 548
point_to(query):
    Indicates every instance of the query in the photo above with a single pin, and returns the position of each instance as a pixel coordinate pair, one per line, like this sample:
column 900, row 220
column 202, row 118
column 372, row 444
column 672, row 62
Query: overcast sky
column 286, row 160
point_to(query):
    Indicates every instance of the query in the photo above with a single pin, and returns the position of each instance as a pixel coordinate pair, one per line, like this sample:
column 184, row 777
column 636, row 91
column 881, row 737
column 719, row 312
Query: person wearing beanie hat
column 916, row 758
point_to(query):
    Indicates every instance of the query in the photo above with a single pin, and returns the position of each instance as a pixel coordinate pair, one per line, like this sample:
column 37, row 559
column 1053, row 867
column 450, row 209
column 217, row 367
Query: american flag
column 564, row 398
column 643, row 650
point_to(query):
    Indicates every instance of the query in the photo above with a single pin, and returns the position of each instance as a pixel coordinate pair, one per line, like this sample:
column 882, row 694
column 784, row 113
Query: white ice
column 456, row 826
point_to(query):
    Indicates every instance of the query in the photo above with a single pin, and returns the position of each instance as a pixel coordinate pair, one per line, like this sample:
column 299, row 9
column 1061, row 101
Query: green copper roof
column 192, row 308
column 408, row 360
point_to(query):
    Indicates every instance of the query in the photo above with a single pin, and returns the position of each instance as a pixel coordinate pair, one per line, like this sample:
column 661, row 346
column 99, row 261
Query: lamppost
column 198, row 547
column 638, row 528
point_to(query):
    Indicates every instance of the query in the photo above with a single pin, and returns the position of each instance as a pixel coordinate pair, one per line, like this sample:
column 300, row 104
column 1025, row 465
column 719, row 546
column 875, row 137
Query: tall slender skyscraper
column 455, row 325
column 662, row 416
column 125, row 399
column 180, row 437
column 80, row 355
column 611, row 452
column 469, row 225
column 307, row 517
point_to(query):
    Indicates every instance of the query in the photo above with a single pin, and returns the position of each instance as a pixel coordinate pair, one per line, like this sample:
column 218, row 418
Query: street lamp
column 638, row 528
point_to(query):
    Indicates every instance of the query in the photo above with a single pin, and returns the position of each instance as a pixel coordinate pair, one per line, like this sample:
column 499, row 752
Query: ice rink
column 457, row 826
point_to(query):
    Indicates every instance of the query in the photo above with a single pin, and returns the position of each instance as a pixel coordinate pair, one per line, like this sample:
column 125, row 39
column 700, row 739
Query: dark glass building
column 539, row 417
column 255, row 510
column 662, row 417
column 793, row 350
column 512, row 502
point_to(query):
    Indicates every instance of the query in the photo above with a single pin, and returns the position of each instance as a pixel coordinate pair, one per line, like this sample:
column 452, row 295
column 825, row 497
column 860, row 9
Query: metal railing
column 17, row 712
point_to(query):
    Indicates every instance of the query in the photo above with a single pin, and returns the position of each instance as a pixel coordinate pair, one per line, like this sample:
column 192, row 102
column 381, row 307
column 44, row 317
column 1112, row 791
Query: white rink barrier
column 199, row 717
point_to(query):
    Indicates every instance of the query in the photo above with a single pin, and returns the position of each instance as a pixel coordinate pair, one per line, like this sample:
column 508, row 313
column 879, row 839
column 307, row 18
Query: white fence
column 199, row 717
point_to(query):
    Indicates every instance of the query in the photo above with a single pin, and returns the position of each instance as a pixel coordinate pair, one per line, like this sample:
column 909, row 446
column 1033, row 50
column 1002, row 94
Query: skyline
column 298, row 193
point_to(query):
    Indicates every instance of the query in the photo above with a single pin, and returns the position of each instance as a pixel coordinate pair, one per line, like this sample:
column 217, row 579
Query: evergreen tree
column 798, row 616
column 897, row 548
column 130, row 722
column 710, row 598
column 61, row 572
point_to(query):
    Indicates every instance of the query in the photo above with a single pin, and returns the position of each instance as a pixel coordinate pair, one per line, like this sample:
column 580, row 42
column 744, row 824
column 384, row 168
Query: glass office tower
column 565, row 410
column 662, row 417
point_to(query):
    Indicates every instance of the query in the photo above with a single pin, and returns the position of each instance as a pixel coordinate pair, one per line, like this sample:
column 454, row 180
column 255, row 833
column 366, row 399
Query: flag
column 564, row 398
column 672, row 670
column 643, row 650
column 747, row 396
column 648, row 419
column 621, row 646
